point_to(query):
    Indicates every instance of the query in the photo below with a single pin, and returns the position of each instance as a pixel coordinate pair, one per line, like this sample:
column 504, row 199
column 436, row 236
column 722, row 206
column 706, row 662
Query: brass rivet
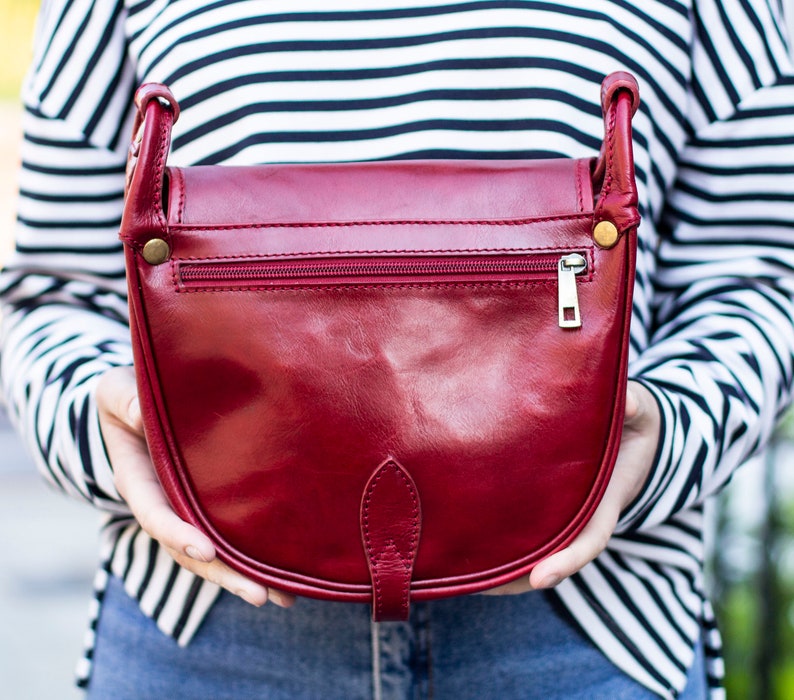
column 605, row 234
column 156, row 251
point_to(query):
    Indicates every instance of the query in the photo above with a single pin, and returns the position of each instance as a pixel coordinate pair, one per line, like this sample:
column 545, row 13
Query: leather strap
column 157, row 112
column 614, row 169
column 391, row 521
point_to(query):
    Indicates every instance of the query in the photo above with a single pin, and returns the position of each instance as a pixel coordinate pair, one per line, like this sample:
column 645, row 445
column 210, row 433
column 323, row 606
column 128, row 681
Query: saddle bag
column 382, row 381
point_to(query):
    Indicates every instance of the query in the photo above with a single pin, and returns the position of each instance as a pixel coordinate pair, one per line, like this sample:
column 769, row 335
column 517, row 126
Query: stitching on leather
column 406, row 594
column 382, row 287
column 341, row 224
column 179, row 176
column 414, row 537
column 371, row 555
column 162, row 156
column 606, row 188
column 174, row 275
column 375, row 556
column 580, row 175
column 347, row 253
column 198, row 288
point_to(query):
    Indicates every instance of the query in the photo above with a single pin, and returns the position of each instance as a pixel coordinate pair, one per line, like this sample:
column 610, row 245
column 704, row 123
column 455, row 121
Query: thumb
column 134, row 418
column 117, row 396
column 639, row 404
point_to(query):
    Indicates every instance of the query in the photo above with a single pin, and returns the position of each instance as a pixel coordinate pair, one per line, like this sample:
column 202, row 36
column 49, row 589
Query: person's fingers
column 587, row 545
column 117, row 398
column 642, row 413
column 219, row 573
column 634, row 407
column 137, row 483
column 186, row 544
column 520, row 585
column 635, row 459
column 133, row 472
column 590, row 542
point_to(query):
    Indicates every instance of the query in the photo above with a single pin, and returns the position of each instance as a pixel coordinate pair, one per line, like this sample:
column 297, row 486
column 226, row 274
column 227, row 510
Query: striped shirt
column 322, row 80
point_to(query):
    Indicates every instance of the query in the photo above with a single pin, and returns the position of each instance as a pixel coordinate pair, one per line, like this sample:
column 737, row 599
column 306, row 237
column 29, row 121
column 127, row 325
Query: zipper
column 567, row 295
column 270, row 273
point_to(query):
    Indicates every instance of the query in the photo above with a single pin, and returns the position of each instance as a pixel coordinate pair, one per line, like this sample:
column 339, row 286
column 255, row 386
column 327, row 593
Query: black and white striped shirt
column 327, row 80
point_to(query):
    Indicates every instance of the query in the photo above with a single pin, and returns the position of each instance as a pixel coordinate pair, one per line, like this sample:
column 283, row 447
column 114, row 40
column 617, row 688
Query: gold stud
column 156, row 251
column 605, row 234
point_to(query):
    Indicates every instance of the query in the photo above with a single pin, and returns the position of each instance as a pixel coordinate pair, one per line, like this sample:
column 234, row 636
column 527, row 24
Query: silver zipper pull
column 567, row 269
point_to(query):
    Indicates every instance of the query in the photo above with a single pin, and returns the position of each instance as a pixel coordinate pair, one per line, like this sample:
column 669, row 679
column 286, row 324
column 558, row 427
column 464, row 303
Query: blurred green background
column 751, row 567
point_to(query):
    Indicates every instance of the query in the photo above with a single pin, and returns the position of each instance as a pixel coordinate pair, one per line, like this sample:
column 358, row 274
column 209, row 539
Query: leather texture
column 353, row 377
column 614, row 171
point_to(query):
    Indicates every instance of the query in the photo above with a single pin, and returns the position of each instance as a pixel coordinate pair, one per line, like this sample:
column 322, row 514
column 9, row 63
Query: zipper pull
column 567, row 269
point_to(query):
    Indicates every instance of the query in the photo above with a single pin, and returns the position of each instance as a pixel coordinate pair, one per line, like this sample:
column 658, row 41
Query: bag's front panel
column 356, row 365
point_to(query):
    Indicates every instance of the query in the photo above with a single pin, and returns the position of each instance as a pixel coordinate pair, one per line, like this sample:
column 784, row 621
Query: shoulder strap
column 616, row 207
column 144, row 210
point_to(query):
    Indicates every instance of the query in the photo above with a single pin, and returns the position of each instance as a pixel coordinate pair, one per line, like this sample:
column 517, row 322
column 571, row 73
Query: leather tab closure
column 391, row 521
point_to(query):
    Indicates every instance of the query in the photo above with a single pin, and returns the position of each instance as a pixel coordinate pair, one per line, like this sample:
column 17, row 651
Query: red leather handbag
column 383, row 381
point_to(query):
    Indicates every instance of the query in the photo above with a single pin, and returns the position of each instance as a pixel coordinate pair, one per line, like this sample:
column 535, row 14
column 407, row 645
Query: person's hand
column 137, row 483
column 635, row 460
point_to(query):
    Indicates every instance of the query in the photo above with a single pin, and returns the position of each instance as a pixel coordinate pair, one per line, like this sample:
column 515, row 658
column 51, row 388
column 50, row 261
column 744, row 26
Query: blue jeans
column 477, row 647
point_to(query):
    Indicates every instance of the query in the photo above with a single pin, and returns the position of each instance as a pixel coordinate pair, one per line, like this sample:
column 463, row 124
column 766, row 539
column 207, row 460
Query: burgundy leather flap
column 380, row 191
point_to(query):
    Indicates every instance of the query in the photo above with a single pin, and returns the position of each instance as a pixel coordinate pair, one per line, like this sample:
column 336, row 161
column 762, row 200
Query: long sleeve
column 63, row 291
column 719, row 347
column 311, row 81
column 720, row 356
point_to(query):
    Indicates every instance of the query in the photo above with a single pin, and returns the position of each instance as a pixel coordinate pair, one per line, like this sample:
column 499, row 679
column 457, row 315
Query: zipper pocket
column 208, row 275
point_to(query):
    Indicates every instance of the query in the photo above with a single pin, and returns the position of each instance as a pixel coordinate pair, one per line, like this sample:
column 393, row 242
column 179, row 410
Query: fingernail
column 550, row 581
column 134, row 412
column 194, row 553
column 246, row 596
column 276, row 597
